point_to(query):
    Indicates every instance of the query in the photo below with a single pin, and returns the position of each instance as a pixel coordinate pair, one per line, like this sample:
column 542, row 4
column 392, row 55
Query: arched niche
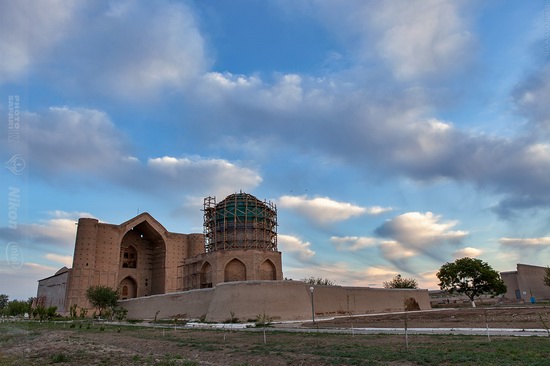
column 235, row 270
column 127, row 288
column 206, row 275
column 268, row 272
column 128, row 257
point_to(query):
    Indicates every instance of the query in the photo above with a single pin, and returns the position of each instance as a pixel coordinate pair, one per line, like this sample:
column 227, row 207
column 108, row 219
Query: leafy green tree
column 18, row 308
column 39, row 312
column 102, row 297
column 4, row 299
column 51, row 312
column 471, row 277
column 318, row 281
column 546, row 278
column 401, row 282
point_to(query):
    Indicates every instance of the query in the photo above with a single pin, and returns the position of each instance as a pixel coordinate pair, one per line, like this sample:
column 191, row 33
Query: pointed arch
column 235, row 270
column 148, row 238
column 128, row 288
column 206, row 275
column 268, row 271
column 129, row 257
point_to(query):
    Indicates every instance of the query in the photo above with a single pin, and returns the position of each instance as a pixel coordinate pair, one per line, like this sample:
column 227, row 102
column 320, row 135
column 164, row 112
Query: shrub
column 59, row 357
column 72, row 311
column 263, row 320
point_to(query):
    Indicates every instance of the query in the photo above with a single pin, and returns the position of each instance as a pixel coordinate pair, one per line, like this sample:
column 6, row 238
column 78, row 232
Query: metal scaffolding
column 240, row 221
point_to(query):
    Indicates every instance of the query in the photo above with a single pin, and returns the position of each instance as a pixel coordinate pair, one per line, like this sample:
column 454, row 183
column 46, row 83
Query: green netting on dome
column 240, row 221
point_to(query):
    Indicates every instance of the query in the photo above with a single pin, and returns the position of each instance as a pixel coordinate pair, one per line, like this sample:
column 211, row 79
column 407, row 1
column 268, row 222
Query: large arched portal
column 143, row 256
column 235, row 270
column 127, row 288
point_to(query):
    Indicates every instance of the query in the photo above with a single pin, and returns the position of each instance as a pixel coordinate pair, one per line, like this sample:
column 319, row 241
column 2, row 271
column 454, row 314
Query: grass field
column 50, row 343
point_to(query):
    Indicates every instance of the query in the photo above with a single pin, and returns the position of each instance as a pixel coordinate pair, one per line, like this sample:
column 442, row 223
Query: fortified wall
column 281, row 300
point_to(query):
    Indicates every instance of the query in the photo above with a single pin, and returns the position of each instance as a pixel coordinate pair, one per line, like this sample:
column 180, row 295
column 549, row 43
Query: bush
column 263, row 320
column 120, row 313
column 72, row 311
column 59, row 357
column 401, row 282
column 51, row 312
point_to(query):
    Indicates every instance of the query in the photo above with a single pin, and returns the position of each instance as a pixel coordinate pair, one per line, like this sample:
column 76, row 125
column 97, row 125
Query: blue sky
column 393, row 136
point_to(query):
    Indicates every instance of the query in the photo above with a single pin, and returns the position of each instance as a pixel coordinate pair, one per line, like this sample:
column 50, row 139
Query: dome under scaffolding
column 240, row 221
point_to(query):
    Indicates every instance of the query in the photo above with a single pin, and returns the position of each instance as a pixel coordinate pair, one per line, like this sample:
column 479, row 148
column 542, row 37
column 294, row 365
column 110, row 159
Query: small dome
column 61, row 270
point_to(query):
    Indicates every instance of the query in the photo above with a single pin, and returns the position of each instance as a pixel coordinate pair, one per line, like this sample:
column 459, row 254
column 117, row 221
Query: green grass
column 247, row 347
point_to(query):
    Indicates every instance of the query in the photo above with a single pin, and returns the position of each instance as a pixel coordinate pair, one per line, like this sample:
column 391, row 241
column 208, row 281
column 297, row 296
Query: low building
column 52, row 291
column 526, row 282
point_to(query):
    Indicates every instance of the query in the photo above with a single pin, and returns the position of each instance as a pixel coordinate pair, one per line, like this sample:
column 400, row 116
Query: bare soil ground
column 33, row 343
column 532, row 317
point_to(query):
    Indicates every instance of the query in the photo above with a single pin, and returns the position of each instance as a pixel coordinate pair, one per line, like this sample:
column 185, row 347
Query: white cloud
column 129, row 49
column 429, row 280
column 28, row 32
column 40, row 267
column 217, row 176
column 420, row 37
column 60, row 230
column 416, row 38
column 467, row 252
column 342, row 274
column 21, row 283
column 229, row 81
column 65, row 260
column 416, row 233
column 395, row 251
column 526, row 243
column 421, row 230
column 295, row 246
column 61, row 139
column 353, row 243
column 325, row 209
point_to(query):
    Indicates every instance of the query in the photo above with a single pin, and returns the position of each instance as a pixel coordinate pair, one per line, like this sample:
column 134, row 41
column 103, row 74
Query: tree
column 318, row 281
column 102, row 297
column 4, row 299
column 17, row 308
column 546, row 278
column 401, row 282
column 471, row 277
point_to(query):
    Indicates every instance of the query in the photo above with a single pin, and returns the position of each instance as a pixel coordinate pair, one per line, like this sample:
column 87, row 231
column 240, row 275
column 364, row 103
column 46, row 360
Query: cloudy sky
column 393, row 136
